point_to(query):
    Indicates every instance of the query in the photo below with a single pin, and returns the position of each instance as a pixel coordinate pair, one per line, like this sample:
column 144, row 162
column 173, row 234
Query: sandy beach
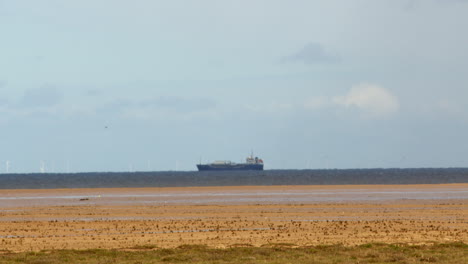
column 226, row 216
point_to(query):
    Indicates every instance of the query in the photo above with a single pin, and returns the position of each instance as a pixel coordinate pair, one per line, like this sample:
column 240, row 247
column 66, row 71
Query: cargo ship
column 251, row 163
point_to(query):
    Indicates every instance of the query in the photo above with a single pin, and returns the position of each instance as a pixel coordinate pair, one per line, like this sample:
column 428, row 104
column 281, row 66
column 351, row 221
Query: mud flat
column 228, row 216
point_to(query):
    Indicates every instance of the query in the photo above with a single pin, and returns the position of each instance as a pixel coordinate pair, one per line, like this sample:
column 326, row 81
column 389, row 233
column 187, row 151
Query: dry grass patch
column 452, row 253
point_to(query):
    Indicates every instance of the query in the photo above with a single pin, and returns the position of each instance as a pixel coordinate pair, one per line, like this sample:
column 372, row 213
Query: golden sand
column 134, row 218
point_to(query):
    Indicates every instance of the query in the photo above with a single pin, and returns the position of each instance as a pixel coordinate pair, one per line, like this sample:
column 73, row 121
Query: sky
column 145, row 85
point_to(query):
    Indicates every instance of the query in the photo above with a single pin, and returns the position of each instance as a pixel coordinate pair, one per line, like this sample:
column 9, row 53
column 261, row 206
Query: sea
column 233, row 178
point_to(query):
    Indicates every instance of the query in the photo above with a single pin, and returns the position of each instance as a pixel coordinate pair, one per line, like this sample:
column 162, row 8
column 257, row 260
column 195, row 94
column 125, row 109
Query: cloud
column 312, row 53
column 365, row 100
column 45, row 96
column 179, row 104
column 317, row 102
column 114, row 107
column 272, row 107
column 164, row 107
column 372, row 99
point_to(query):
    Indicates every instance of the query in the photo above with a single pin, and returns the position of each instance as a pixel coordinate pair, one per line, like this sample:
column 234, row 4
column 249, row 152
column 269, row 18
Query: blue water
column 234, row 178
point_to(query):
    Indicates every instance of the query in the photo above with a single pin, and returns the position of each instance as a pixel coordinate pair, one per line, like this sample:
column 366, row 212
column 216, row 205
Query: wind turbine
column 7, row 166
column 42, row 168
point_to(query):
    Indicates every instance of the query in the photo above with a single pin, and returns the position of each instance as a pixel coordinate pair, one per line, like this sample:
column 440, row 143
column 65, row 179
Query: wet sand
column 226, row 216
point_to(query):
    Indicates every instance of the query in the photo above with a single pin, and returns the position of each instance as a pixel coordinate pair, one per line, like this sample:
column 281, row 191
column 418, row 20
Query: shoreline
column 309, row 186
column 232, row 195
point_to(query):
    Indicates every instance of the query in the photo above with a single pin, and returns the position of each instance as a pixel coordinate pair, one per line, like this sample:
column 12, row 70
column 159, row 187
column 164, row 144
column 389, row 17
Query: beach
column 220, row 217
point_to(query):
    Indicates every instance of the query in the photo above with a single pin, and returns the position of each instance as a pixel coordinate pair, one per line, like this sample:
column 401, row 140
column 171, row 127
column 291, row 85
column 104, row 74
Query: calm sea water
column 239, row 178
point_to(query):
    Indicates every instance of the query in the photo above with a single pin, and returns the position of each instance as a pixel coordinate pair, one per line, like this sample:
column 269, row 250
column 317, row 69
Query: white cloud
column 272, row 107
column 371, row 99
column 317, row 102
column 310, row 54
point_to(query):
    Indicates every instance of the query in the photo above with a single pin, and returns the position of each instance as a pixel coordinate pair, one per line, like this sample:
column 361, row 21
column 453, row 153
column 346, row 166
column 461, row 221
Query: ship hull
column 229, row 167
